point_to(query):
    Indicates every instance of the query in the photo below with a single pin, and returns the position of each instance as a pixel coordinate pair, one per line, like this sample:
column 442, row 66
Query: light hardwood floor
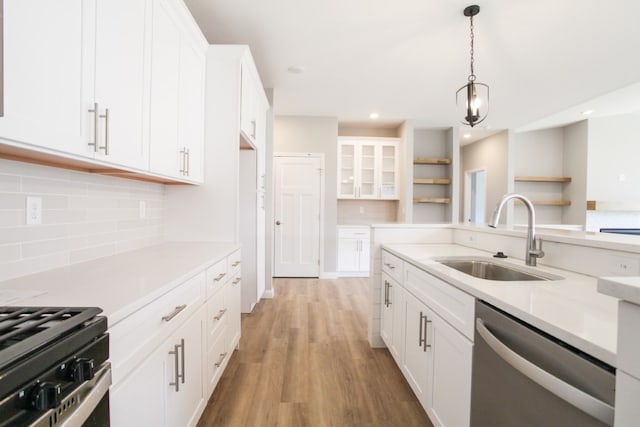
column 304, row 360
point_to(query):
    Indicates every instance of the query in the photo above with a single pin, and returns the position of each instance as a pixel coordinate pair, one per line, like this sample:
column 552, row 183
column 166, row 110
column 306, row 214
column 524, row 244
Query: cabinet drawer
column 217, row 313
column 133, row 339
column 234, row 262
column 354, row 233
column 217, row 357
column 217, row 276
column 393, row 266
column 450, row 303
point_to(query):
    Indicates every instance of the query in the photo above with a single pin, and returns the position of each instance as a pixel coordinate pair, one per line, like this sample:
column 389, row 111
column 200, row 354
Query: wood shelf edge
column 442, row 200
column 431, row 161
column 432, row 181
column 542, row 179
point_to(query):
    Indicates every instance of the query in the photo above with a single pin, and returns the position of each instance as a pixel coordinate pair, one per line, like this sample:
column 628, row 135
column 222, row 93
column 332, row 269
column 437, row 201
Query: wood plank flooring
column 304, row 360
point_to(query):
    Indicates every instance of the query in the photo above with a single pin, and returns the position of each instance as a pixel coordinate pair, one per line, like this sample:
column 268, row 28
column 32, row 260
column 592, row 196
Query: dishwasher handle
column 565, row 391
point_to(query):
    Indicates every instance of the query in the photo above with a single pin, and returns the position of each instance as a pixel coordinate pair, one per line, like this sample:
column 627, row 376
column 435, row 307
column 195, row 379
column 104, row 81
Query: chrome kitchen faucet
column 534, row 246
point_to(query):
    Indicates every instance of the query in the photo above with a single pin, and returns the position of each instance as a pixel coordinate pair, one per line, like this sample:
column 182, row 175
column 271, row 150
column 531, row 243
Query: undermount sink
column 485, row 268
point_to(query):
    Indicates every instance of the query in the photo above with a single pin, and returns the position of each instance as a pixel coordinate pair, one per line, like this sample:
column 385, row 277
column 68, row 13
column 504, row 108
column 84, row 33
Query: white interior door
column 297, row 216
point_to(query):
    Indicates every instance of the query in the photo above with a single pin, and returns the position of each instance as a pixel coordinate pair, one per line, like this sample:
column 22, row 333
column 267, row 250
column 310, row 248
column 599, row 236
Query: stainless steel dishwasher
column 524, row 377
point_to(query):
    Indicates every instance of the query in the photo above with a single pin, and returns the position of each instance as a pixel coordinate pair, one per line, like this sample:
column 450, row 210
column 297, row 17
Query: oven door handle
column 565, row 391
column 95, row 391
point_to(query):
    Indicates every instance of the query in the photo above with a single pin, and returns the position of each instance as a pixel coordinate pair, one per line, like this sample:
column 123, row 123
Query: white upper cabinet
column 48, row 77
column 253, row 105
column 122, row 43
column 367, row 168
column 118, row 83
column 177, row 97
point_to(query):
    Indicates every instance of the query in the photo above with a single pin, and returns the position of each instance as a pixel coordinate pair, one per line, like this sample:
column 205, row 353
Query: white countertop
column 624, row 288
column 119, row 284
column 570, row 309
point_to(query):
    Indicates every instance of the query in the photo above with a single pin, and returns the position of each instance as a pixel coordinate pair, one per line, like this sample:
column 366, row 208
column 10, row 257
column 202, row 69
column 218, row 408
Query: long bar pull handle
column 176, row 383
column 235, row 264
column 182, row 362
column 426, row 334
column 105, row 116
column 96, row 123
column 253, row 129
column 420, row 334
column 236, row 281
column 187, row 161
column 386, row 293
column 183, row 161
column 220, row 360
column 572, row 395
column 220, row 314
column 219, row 277
column 174, row 313
column 389, row 286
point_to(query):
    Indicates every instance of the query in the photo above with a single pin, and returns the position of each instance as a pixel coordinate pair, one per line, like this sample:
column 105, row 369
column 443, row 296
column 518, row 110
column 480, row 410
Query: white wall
column 298, row 134
column 491, row 154
column 84, row 217
column 575, row 166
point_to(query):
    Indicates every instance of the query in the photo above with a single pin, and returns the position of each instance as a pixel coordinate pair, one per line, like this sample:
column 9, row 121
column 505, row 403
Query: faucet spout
column 533, row 249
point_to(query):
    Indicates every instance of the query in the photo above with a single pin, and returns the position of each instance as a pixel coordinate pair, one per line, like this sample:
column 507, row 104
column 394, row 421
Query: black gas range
column 54, row 368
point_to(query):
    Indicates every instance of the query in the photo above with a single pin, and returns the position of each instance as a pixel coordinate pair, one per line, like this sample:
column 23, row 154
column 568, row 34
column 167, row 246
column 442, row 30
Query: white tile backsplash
column 84, row 216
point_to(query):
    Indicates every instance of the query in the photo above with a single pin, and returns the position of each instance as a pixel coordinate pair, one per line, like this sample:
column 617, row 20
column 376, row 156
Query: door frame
column 467, row 193
column 319, row 156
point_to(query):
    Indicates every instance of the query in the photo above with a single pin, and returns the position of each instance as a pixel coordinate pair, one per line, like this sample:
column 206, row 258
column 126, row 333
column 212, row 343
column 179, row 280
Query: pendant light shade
column 473, row 95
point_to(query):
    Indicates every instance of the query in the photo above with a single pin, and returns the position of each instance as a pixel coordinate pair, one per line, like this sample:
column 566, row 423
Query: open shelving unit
column 546, row 179
column 434, row 161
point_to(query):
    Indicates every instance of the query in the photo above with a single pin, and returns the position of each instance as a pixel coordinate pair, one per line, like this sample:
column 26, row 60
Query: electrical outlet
column 361, row 209
column 33, row 215
column 143, row 209
column 624, row 266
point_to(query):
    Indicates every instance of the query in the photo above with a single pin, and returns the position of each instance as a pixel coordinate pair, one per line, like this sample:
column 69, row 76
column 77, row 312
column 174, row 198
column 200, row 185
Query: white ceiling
column 406, row 59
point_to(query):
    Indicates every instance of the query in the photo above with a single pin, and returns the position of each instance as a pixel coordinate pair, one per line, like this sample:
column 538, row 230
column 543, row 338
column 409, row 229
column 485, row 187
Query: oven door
column 87, row 405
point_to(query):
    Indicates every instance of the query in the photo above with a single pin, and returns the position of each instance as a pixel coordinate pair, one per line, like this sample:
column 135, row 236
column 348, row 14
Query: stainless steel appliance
column 524, row 377
column 54, row 367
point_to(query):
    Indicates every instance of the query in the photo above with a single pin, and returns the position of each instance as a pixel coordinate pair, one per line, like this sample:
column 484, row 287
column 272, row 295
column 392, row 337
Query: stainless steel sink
column 486, row 268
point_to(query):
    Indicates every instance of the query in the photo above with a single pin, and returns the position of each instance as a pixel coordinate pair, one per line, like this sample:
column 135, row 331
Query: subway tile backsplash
column 84, row 216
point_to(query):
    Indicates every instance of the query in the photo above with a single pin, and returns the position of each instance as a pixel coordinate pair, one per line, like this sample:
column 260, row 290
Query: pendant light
column 477, row 94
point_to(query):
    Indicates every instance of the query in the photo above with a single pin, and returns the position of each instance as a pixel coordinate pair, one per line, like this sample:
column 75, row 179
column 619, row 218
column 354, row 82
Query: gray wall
column 491, row 154
column 298, row 134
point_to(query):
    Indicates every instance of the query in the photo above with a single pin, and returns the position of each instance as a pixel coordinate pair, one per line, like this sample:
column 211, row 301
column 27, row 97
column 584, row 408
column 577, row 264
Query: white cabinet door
column 416, row 342
column 48, row 73
column 346, row 170
column 449, row 393
column 139, row 399
column 348, row 255
column 248, row 121
column 388, row 170
column 234, row 301
column 122, row 43
column 392, row 320
column 365, row 255
column 165, row 157
column 183, row 373
column 191, row 110
column 367, row 174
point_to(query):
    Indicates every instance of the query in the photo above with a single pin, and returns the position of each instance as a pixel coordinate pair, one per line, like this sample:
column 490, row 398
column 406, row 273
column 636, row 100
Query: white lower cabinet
column 392, row 319
column 168, row 356
column 434, row 356
column 353, row 251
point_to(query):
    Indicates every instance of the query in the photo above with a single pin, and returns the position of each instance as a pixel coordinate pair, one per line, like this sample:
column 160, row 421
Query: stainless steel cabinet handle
column 235, row 264
column 426, row 334
column 572, row 395
column 96, row 122
column 390, row 266
column 219, row 277
column 188, row 162
column 174, row 313
column 420, row 335
column 236, row 281
column 176, row 365
column 183, row 161
column 253, row 127
column 386, row 293
column 220, row 314
column 105, row 116
column 389, row 286
column 219, row 362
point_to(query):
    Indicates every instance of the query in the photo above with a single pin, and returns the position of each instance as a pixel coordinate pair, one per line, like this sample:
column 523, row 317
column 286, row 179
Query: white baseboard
column 329, row 275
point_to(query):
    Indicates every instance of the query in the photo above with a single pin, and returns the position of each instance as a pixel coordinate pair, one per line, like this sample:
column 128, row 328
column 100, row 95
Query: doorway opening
column 475, row 196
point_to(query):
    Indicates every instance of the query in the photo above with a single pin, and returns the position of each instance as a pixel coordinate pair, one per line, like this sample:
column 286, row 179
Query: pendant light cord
column 472, row 76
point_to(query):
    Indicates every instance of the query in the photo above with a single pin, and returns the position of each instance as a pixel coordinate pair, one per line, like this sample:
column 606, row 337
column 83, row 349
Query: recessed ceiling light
column 374, row 116
column 466, row 135
column 587, row 112
column 296, row 69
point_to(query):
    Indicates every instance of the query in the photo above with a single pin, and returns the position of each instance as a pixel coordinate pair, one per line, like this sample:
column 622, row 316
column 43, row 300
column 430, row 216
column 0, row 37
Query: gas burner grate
column 27, row 329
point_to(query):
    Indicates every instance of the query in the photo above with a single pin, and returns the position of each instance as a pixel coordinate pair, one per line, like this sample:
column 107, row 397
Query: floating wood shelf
column 435, row 181
column 431, row 161
column 549, row 202
column 431, row 200
column 543, row 178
